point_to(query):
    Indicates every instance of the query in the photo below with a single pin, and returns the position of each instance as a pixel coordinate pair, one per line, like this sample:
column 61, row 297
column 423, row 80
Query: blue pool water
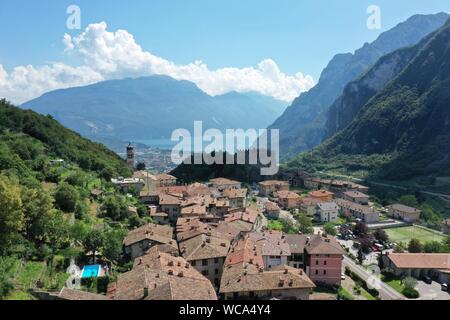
column 91, row 271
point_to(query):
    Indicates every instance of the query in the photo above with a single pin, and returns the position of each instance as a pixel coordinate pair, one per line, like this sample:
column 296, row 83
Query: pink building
column 324, row 260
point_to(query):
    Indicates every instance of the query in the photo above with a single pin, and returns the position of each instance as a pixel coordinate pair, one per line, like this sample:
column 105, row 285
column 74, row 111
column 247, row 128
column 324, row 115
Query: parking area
column 431, row 291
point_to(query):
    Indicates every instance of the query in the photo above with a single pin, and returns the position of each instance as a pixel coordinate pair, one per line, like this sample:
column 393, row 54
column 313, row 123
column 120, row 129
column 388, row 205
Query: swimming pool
column 90, row 271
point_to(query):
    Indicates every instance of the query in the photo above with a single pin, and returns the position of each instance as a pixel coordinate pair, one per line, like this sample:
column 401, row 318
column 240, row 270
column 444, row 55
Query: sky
column 277, row 48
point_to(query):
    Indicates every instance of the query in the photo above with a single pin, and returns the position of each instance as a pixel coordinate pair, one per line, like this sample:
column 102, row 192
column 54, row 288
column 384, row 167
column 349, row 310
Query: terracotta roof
column 285, row 194
column 247, row 215
column 270, row 206
column 318, row 244
column 308, row 201
column 272, row 243
column 297, row 242
column 194, row 210
column 327, row 206
column 243, row 279
column 163, row 277
column 355, row 194
column 197, row 189
column 70, row 294
column 354, row 206
column 165, row 176
column 154, row 232
column 274, row 183
column 245, row 250
column 421, row 260
column 320, row 193
column 235, row 193
column 223, row 182
column 403, row 208
column 165, row 199
column 174, row 190
column 204, row 247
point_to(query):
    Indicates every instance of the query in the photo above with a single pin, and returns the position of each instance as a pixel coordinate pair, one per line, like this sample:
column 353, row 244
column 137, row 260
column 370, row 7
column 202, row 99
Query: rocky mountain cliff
column 302, row 125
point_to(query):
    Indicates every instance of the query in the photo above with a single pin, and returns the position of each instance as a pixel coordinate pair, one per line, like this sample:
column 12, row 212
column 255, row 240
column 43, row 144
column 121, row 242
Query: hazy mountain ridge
column 152, row 107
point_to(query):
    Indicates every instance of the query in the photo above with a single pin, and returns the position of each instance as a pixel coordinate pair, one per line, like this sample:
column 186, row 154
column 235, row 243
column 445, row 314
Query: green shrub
column 411, row 293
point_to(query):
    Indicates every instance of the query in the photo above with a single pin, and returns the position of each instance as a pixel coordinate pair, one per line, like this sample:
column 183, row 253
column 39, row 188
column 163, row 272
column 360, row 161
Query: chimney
column 170, row 264
column 180, row 274
column 300, row 272
column 286, row 271
column 170, row 272
column 281, row 283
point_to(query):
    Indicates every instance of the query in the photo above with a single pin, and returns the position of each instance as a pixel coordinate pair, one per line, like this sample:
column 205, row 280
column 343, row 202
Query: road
column 386, row 292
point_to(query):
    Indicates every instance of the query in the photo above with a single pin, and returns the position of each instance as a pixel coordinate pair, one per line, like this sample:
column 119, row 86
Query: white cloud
column 112, row 55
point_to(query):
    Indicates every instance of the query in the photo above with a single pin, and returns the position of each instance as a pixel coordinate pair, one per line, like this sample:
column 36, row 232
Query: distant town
column 300, row 238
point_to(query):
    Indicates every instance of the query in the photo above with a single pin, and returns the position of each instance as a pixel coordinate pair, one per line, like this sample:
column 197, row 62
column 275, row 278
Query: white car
column 343, row 277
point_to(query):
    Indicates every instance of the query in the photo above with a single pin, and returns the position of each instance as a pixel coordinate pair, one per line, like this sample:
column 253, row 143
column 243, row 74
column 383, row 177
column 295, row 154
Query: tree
column 37, row 207
column 365, row 244
column 11, row 214
column 66, row 197
column 381, row 235
column 140, row 166
column 92, row 242
column 433, row 247
column 414, row 246
column 305, row 225
column 409, row 200
column 360, row 229
column 112, row 244
column 330, row 229
column 115, row 207
column 410, row 283
column 360, row 256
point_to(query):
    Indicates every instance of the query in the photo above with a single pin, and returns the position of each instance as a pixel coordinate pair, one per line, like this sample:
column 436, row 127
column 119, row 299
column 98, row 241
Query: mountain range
column 151, row 108
column 303, row 124
column 398, row 129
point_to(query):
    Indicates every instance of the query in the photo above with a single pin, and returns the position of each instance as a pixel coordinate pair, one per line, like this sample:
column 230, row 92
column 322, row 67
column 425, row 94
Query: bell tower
column 130, row 157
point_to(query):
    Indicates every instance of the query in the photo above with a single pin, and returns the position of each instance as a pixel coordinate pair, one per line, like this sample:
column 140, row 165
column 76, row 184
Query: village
column 222, row 239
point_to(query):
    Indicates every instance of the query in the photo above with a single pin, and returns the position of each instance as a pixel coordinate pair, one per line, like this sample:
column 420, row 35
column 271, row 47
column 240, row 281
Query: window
column 193, row 263
column 325, row 263
column 216, row 260
column 324, row 272
column 217, row 271
column 205, row 273
column 204, row 262
column 317, row 262
column 317, row 272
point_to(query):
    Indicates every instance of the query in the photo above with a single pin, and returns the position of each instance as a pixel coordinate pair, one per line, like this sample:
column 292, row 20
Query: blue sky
column 299, row 35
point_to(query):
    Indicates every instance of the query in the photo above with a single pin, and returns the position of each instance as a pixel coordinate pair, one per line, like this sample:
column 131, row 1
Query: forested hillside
column 47, row 213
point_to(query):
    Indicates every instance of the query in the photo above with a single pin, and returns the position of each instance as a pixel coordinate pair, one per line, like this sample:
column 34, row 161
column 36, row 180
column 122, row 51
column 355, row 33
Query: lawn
column 396, row 284
column 275, row 225
column 405, row 234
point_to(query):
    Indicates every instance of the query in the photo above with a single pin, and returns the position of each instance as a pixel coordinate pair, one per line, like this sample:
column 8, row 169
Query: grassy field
column 405, row 234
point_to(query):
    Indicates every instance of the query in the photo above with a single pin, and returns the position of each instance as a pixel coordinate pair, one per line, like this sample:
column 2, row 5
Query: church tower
column 130, row 157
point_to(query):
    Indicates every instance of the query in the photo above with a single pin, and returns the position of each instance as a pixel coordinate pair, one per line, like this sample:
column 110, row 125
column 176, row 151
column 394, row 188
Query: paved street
column 431, row 291
column 386, row 292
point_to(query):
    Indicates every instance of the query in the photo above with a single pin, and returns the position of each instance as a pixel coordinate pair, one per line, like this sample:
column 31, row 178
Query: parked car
column 444, row 287
column 343, row 277
column 427, row 280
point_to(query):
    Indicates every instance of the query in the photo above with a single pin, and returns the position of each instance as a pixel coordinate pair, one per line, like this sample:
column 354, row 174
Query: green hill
column 29, row 140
